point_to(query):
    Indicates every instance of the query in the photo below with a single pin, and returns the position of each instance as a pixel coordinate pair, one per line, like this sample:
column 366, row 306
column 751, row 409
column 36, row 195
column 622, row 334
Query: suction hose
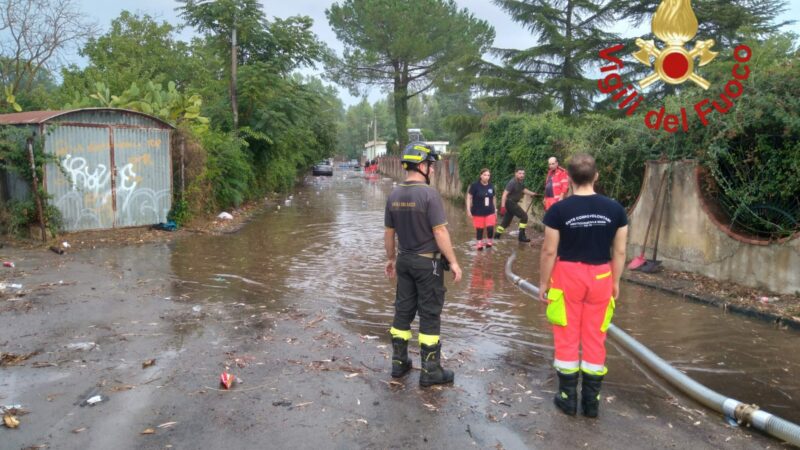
column 741, row 412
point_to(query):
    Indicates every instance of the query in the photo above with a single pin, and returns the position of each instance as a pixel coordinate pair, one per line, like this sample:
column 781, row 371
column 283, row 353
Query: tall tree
column 136, row 48
column 409, row 46
column 725, row 21
column 569, row 34
column 33, row 36
column 230, row 21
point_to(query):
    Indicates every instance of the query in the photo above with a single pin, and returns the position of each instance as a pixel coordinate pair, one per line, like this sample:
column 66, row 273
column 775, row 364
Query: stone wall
column 693, row 239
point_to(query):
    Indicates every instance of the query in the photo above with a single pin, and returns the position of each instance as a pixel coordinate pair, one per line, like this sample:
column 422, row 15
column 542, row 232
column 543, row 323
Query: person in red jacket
column 581, row 263
column 556, row 187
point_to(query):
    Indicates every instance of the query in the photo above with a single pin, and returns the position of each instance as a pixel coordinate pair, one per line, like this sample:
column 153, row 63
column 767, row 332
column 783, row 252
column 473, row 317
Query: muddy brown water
column 324, row 247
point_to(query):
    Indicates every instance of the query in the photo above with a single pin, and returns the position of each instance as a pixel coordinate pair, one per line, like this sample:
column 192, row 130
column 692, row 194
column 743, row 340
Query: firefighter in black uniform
column 415, row 213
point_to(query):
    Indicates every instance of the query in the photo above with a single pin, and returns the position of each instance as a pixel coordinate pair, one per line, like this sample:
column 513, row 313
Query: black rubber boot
column 401, row 363
column 590, row 394
column 567, row 396
column 432, row 371
column 522, row 237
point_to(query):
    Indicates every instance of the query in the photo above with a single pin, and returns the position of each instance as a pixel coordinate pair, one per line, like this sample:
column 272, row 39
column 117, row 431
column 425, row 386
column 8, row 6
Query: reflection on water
column 324, row 251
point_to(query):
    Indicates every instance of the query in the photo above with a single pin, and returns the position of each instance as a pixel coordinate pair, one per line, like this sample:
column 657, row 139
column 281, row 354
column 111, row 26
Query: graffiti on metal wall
column 88, row 202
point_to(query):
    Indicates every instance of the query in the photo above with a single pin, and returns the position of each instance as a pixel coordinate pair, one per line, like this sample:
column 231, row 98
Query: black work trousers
column 420, row 289
column 513, row 210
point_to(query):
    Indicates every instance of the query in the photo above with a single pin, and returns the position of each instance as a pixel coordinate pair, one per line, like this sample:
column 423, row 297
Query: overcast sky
column 508, row 33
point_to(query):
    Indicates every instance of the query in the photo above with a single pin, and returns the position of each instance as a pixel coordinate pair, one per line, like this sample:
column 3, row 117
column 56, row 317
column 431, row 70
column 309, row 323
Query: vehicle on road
column 323, row 168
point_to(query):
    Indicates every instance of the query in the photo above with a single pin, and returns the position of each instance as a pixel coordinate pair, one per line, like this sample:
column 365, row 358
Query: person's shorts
column 484, row 221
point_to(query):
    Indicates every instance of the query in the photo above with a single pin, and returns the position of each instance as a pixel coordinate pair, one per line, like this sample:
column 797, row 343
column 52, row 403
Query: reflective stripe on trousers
column 587, row 294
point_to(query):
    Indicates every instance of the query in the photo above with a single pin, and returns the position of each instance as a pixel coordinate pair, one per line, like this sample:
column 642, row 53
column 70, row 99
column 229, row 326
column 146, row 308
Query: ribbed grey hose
column 741, row 412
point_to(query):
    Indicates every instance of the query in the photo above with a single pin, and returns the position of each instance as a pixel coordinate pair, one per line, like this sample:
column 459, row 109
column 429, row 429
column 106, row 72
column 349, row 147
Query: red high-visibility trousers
column 587, row 293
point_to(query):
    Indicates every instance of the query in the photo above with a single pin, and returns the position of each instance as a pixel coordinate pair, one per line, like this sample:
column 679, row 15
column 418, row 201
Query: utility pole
column 234, row 64
column 234, row 67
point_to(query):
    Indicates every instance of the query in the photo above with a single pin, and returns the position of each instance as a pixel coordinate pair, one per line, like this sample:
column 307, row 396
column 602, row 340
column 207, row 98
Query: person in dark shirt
column 509, row 205
column 582, row 259
column 480, row 207
column 415, row 214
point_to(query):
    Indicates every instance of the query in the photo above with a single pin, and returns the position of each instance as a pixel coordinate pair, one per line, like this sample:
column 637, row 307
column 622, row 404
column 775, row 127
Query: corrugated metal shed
column 115, row 165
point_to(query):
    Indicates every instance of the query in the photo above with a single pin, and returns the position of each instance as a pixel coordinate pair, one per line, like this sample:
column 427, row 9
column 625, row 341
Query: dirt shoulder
column 118, row 237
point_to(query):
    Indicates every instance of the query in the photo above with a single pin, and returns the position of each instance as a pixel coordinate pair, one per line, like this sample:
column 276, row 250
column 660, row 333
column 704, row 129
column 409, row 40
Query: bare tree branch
column 34, row 35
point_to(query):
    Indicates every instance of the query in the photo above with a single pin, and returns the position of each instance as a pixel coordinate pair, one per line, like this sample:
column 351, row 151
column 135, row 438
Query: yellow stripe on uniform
column 603, row 275
column 412, row 157
column 428, row 339
column 402, row 334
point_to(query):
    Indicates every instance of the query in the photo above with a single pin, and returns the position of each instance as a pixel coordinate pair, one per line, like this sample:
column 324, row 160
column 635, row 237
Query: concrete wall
column 448, row 182
column 446, row 179
column 693, row 240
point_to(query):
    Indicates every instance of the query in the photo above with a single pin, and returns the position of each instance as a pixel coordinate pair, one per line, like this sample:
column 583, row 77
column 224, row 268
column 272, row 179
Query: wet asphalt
column 295, row 306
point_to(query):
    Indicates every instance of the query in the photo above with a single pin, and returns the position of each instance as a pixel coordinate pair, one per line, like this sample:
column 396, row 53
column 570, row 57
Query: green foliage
column 726, row 21
column 135, row 49
column 22, row 214
column 753, row 152
column 424, row 43
column 569, row 35
column 180, row 212
column 517, row 141
column 14, row 158
column 228, row 170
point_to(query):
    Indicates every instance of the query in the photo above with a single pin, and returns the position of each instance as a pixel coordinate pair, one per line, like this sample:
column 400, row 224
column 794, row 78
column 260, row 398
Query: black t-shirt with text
column 482, row 199
column 413, row 210
column 587, row 225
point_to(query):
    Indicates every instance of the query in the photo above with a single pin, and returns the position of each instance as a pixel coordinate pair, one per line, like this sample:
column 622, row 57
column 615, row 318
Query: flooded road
column 296, row 306
column 326, row 245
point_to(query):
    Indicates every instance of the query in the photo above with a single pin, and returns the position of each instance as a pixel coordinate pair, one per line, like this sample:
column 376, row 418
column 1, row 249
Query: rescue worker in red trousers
column 582, row 259
column 415, row 214
column 509, row 205
column 480, row 208
column 556, row 185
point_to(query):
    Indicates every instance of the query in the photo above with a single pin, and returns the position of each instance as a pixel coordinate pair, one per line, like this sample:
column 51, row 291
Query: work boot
column 522, row 237
column 567, row 396
column 401, row 363
column 590, row 394
column 432, row 371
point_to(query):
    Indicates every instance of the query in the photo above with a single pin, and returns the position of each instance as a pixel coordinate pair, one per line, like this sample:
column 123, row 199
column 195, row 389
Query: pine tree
column 569, row 35
column 725, row 21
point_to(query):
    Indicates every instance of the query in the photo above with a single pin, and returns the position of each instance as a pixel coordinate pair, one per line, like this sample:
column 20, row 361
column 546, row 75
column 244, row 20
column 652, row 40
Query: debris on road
column 10, row 421
column 57, row 250
column 91, row 401
column 148, row 363
column 225, row 216
column 8, row 264
column 283, row 402
column 148, row 431
column 12, row 359
column 83, row 346
column 4, row 286
column 79, row 430
column 167, row 424
column 226, row 380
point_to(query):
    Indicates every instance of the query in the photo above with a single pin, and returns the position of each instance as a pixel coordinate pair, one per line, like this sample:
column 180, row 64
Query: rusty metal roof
column 39, row 117
column 29, row 117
